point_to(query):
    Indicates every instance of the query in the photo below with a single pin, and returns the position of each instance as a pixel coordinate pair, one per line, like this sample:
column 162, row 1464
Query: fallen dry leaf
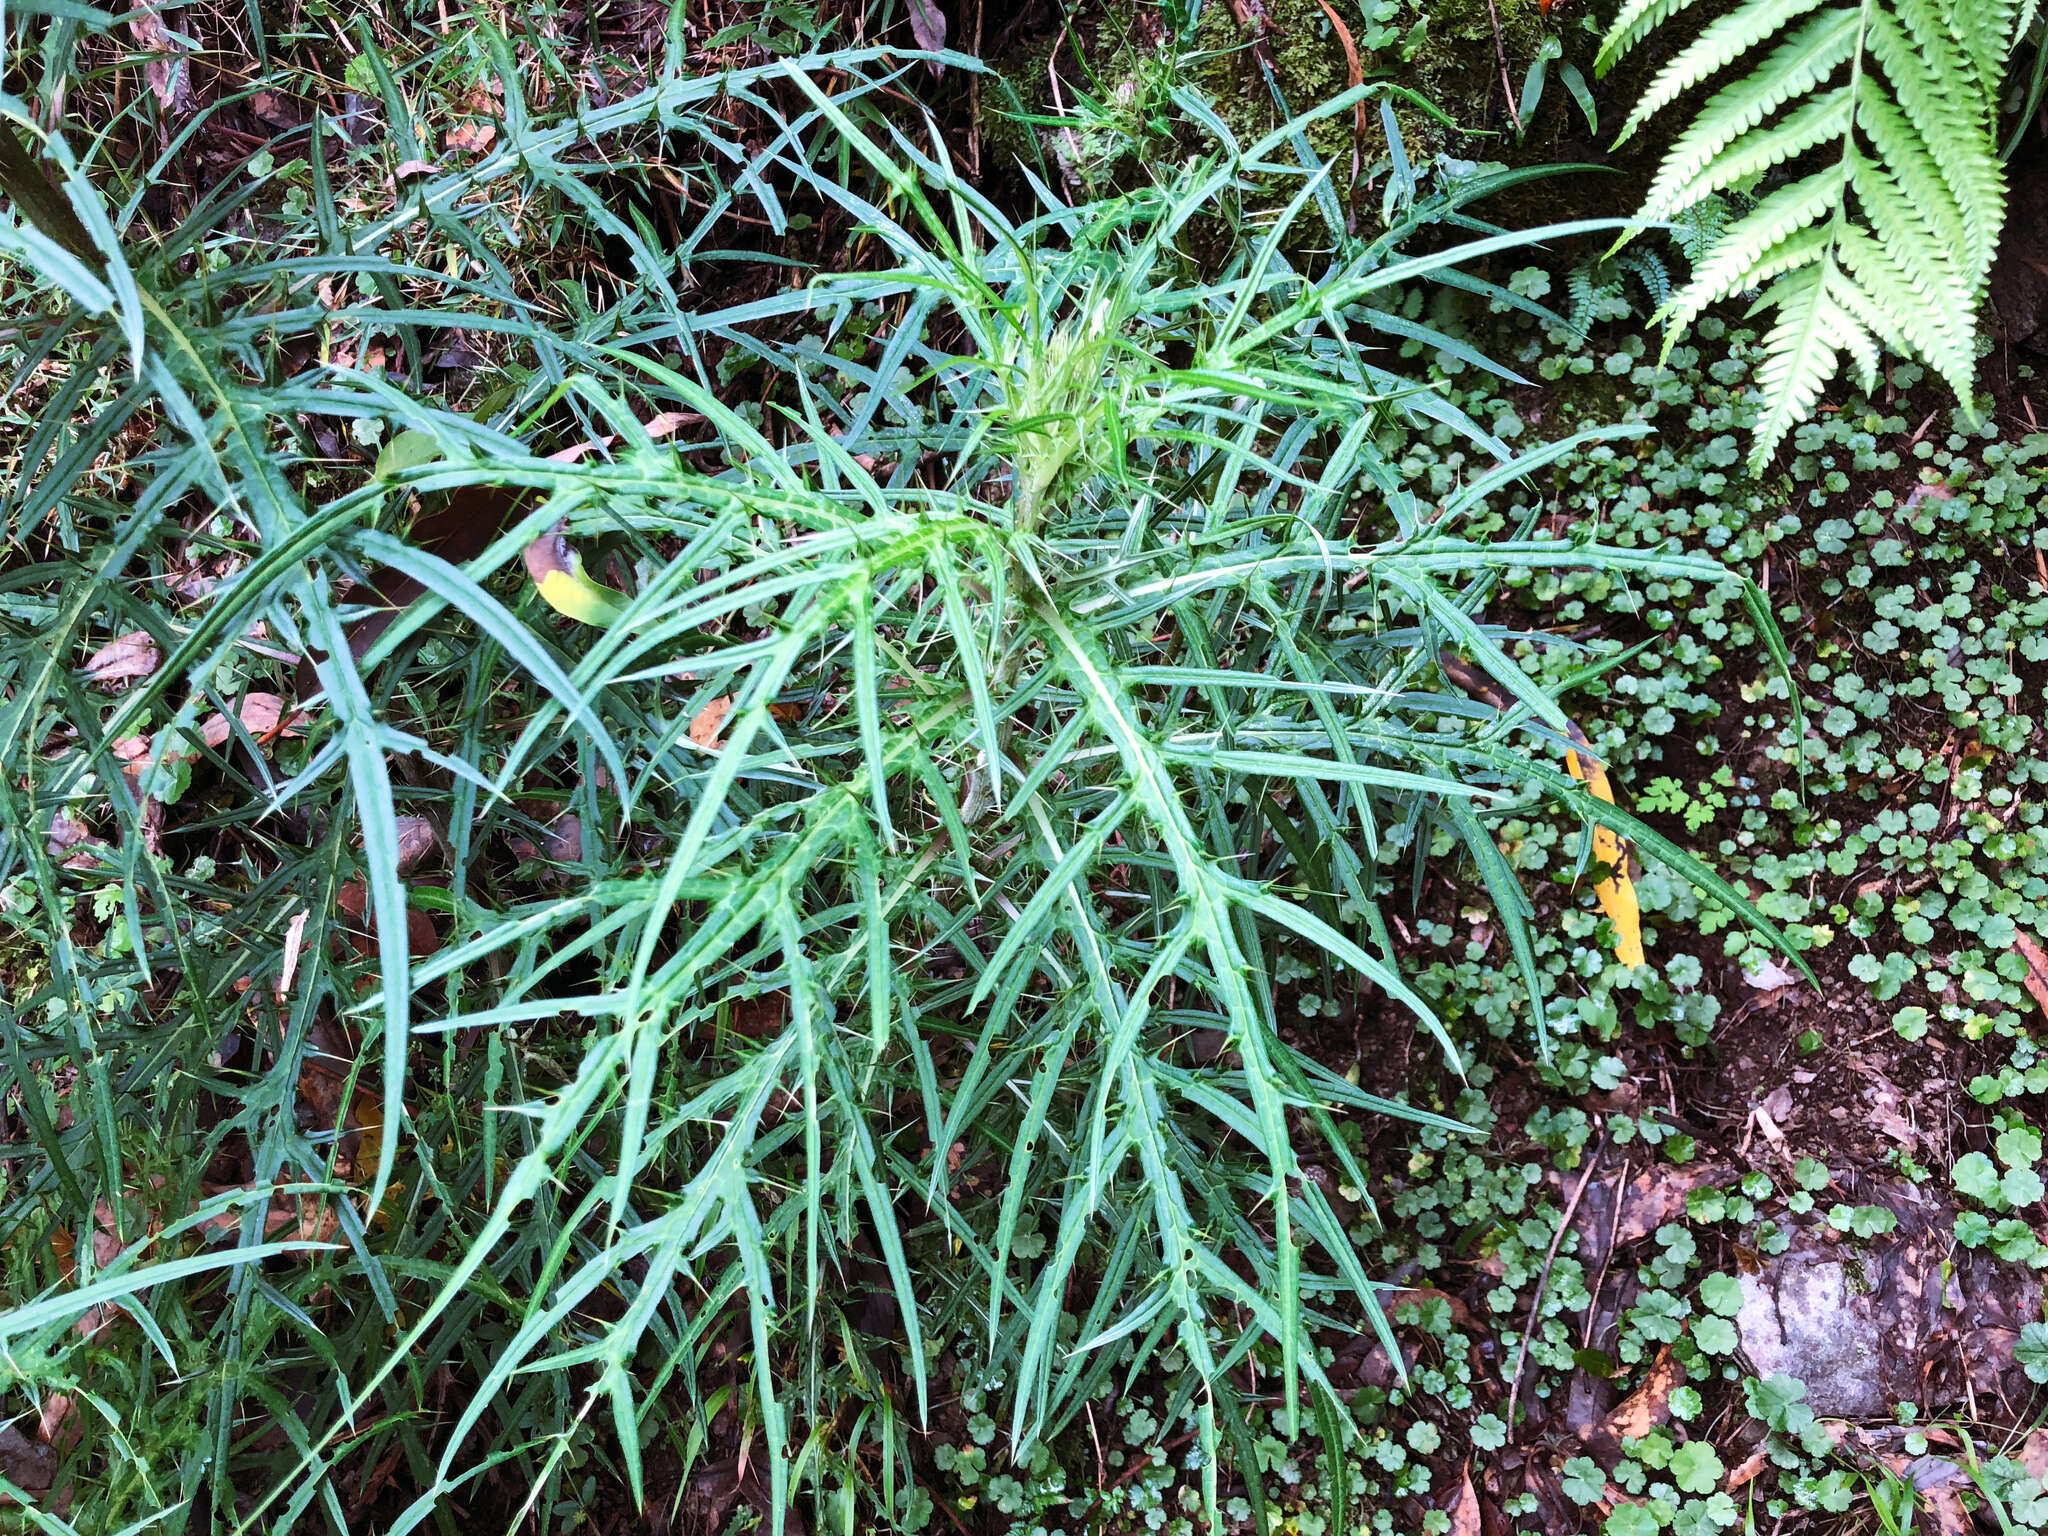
column 1465, row 1512
column 415, row 841
column 561, row 839
column 1766, row 975
column 66, row 833
column 1944, row 1507
column 2033, row 1454
column 352, row 902
column 410, row 168
column 469, row 138
column 1351, row 63
column 262, row 715
column 164, row 70
column 55, row 1425
column 2037, row 968
column 928, row 26
column 1460, row 1313
column 1617, row 893
column 107, row 1246
column 30, row 1467
column 710, row 721
column 1646, row 1407
column 122, row 660
column 295, row 1218
column 1657, row 1196
column 1747, row 1472
column 294, row 940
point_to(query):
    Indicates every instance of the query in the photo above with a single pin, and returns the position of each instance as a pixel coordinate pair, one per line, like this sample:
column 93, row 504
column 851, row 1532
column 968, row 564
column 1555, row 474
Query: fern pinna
column 1882, row 232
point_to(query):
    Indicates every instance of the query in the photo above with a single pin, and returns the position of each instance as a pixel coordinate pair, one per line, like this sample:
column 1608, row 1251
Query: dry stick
column 1606, row 1259
column 974, row 101
column 1536, row 1306
column 1500, row 51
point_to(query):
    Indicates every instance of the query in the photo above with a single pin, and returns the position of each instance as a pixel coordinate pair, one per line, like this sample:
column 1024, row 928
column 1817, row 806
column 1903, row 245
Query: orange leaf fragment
column 704, row 730
column 1650, row 1404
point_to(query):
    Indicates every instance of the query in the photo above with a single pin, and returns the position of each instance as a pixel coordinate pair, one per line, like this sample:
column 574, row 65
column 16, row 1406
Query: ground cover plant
column 723, row 811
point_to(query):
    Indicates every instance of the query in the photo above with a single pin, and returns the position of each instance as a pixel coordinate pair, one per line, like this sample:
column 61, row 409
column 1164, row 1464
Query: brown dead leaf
column 293, row 1218
column 1646, row 1407
column 1746, row 1473
column 30, row 1467
column 1351, row 64
column 263, row 716
column 55, row 1425
column 164, row 70
column 704, row 730
column 1465, row 1512
column 1460, row 1313
column 469, row 138
column 1657, row 1196
column 561, row 839
column 107, row 1246
column 66, row 833
column 352, row 901
column 2033, row 1454
column 407, row 169
column 1946, row 1515
column 294, row 940
column 928, row 26
column 122, row 660
column 415, row 842
column 2037, row 968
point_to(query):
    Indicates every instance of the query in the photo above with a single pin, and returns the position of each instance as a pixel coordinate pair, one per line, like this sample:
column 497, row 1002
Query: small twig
column 1500, row 51
column 1536, row 1306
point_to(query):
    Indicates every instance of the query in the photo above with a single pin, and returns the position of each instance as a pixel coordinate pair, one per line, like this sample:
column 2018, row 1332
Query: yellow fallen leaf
column 1617, row 893
column 559, row 577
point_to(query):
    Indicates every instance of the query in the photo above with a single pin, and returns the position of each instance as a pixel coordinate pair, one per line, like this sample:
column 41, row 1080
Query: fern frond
column 1885, row 238
column 1801, row 352
column 1742, row 257
column 1902, row 158
column 1638, row 19
column 1797, row 66
column 1940, row 285
column 1712, row 51
column 1819, row 122
column 1651, row 272
column 1958, row 139
column 1906, row 321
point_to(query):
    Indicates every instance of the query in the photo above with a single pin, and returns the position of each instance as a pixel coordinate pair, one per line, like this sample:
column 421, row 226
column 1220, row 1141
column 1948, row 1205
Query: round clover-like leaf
column 2018, row 1147
column 2022, row 1186
column 1696, row 1467
column 2032, row 1352
column 1583, row 1481
column 1974, row 1176
column 1715, row 1335
column 1721, row 1293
